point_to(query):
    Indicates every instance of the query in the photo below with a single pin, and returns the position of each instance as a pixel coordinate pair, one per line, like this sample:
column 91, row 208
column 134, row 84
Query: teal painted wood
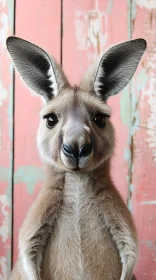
column 130, row 150
column 142, row 152
column 6, row 139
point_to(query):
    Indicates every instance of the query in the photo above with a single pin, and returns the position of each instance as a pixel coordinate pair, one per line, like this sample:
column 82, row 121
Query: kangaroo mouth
column 76, row 165
column 76, row 169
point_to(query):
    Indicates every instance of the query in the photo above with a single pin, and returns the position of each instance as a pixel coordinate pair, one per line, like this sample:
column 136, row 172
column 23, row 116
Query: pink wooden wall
column 75, row 32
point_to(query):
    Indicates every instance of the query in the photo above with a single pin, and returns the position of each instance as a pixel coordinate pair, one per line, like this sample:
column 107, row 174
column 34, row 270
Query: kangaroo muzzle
column 75, row 152
column 76, row 148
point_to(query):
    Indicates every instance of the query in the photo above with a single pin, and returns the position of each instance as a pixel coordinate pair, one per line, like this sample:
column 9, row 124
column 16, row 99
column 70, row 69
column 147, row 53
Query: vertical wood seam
column 13, row 142
column 61, row 41
column 130, row 165
column 11, row 10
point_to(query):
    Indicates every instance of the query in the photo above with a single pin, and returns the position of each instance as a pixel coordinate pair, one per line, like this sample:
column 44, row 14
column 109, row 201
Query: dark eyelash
column 48, row 115
column 104, row 115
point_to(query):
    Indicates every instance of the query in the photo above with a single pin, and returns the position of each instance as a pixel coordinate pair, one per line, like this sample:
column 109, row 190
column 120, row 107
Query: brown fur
column 78, row 228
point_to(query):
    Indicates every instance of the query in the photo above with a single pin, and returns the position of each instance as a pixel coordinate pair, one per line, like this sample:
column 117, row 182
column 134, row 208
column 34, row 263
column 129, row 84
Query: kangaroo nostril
column 68, row 150
column 85, row 150
column 74, row 152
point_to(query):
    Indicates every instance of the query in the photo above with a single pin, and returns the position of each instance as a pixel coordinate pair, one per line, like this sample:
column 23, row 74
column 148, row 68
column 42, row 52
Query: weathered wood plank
column 40, row 22
column 143, row 139
column 89, row 28
column 6, row 139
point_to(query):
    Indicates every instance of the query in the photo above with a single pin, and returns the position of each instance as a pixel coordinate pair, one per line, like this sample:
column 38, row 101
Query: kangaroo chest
column 79, row 248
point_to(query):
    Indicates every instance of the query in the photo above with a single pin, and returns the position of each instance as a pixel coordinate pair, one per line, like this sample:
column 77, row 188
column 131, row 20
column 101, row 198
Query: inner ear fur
column 39, row 71
column 115, row 68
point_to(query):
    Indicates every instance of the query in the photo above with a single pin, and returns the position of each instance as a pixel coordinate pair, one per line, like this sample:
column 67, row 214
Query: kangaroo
column 78, row 228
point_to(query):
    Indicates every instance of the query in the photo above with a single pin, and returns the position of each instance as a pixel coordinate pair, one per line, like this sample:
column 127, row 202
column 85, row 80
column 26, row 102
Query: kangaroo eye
column 99, row 119
column 52, row 120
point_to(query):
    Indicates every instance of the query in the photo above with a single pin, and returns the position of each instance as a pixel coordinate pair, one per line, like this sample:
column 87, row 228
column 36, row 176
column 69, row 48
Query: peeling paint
column 142, row 79
column 131, row 190
column 126, row 154
column 150, row 244
column 88, row 30
column 4, row 174
column 143, row 137
column 135, row 109
column 4, row 227
column 3, row 2
column 129, row 19
column 3, row 94
column 94, row 26
column 135, row 125
column 150, row 202
column 110, row 5
column 3, row 268
column 133, row 13
column 141, row 83
column 4, row 30
column 148, row 4
column 125, row 106
column 151, row 122
column 150, row 92
column 129, row 204
column 10, row 112
column 29, row 175
column 0, row 132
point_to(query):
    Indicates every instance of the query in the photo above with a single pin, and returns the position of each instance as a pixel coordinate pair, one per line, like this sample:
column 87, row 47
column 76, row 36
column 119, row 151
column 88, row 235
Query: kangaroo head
column 75, row 131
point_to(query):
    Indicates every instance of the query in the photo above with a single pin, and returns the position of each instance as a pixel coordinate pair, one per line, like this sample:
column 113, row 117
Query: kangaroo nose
column 75, row 152
column 69, row 151
column 85, row 150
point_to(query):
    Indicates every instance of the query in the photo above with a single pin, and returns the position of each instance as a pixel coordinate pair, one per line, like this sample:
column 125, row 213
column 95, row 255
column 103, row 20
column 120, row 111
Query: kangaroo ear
column 115, row 69
column 40, row 72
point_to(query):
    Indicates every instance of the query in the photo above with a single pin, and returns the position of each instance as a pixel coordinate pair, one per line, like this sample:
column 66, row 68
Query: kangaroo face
column 75, row 131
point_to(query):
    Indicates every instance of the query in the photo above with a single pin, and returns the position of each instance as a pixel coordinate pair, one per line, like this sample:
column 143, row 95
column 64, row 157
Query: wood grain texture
column 88, row 28
column 143, row 139
column 38, row 22
column 6, row 139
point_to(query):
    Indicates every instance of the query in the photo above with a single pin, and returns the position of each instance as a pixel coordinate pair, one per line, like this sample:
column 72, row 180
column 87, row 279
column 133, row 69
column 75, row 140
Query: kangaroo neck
column 100, row 175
